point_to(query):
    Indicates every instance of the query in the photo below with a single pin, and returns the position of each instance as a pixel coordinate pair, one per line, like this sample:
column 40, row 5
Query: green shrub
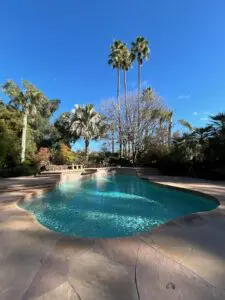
column 169, row 166
column 123, row 162
column 152, row 154
column 22, row 170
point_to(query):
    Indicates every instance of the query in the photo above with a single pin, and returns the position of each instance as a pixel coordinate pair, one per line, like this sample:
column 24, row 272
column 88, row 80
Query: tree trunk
column 126, row 108
column 170, row 131
column 119, row 117
column 133, row 152
column 133, row 146
column 86, row 148
column 129, row 148
column 112, row 141
column 24, row 136
column 161, row 130
column 124, row 148
column 139, row 92
column 137, row 137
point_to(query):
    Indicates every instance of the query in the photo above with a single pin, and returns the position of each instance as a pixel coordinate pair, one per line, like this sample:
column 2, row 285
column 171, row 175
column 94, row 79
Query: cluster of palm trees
column 204, row 143
column 121, row 58
column 84, row 122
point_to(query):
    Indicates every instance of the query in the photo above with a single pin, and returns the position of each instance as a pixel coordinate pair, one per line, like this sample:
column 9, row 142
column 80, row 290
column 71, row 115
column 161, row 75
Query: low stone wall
column 67, row 175
column 71, row 175
column 54, row 168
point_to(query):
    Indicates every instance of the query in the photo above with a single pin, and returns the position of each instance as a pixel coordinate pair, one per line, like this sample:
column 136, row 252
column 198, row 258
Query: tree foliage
column 10, row 134
column 87, row 123
column 138, row 126
column 42, row 158
column 63, row 155
column 63, row 124
column 199, row 152
column 35, row 109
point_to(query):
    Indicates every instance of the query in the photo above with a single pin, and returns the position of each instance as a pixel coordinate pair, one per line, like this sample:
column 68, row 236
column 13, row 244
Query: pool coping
column 163, row 239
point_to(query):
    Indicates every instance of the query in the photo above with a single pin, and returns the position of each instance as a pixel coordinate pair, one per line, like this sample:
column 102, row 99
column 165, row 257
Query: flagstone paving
column 183, row 259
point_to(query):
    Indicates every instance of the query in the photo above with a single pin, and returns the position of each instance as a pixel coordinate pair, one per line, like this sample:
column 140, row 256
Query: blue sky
column 62, row 47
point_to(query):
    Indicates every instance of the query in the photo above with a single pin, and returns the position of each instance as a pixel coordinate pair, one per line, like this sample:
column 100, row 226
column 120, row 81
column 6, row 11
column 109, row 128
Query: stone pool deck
column 183, row 259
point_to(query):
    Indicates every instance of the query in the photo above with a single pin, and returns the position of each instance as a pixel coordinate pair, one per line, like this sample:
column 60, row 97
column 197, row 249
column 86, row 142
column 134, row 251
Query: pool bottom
column 112, row 206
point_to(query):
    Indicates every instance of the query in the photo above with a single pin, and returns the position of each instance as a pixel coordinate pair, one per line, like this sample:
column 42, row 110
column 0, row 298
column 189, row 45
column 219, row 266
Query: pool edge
column 178, row 220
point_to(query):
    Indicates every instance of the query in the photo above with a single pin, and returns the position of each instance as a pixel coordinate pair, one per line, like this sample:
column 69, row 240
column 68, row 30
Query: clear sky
column 62, row 47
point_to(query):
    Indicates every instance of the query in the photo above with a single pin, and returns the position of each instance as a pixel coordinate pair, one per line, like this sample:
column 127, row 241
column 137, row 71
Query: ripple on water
column 112, row 206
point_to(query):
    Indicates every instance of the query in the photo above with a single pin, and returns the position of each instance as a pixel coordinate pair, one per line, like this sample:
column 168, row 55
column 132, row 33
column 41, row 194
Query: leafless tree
column 134, row 134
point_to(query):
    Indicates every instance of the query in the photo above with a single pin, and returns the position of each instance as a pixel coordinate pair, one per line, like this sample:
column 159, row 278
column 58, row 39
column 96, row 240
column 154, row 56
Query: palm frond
column 140, row 49
column 186, row 124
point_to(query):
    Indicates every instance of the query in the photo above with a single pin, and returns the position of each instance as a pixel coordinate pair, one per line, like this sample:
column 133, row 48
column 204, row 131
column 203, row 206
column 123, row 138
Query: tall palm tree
column 126, row 65
column 115, row 60
column 88, row 124
column 140, row 51
column 26, row 100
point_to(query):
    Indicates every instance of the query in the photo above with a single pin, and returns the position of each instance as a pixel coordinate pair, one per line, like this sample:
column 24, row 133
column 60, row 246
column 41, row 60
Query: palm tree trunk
column 139, row 92
column 126, row 108
column 137, row 138
column 119, row 117
column 86, row 148
column 129, row 138
column 24, row 136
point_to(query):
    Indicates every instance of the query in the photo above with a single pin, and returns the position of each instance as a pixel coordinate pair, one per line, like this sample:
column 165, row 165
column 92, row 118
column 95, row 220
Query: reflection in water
column 112, row 206
column 101, row 180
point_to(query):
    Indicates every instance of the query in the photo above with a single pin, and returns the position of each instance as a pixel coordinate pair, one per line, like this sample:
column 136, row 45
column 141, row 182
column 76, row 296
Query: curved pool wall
column 111, row 203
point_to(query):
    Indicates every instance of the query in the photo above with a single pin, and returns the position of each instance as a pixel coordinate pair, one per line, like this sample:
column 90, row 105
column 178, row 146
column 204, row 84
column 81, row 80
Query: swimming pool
column 112, row 206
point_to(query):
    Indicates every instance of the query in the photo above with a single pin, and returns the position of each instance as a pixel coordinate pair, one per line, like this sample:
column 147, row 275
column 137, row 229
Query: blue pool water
column 112, row 206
